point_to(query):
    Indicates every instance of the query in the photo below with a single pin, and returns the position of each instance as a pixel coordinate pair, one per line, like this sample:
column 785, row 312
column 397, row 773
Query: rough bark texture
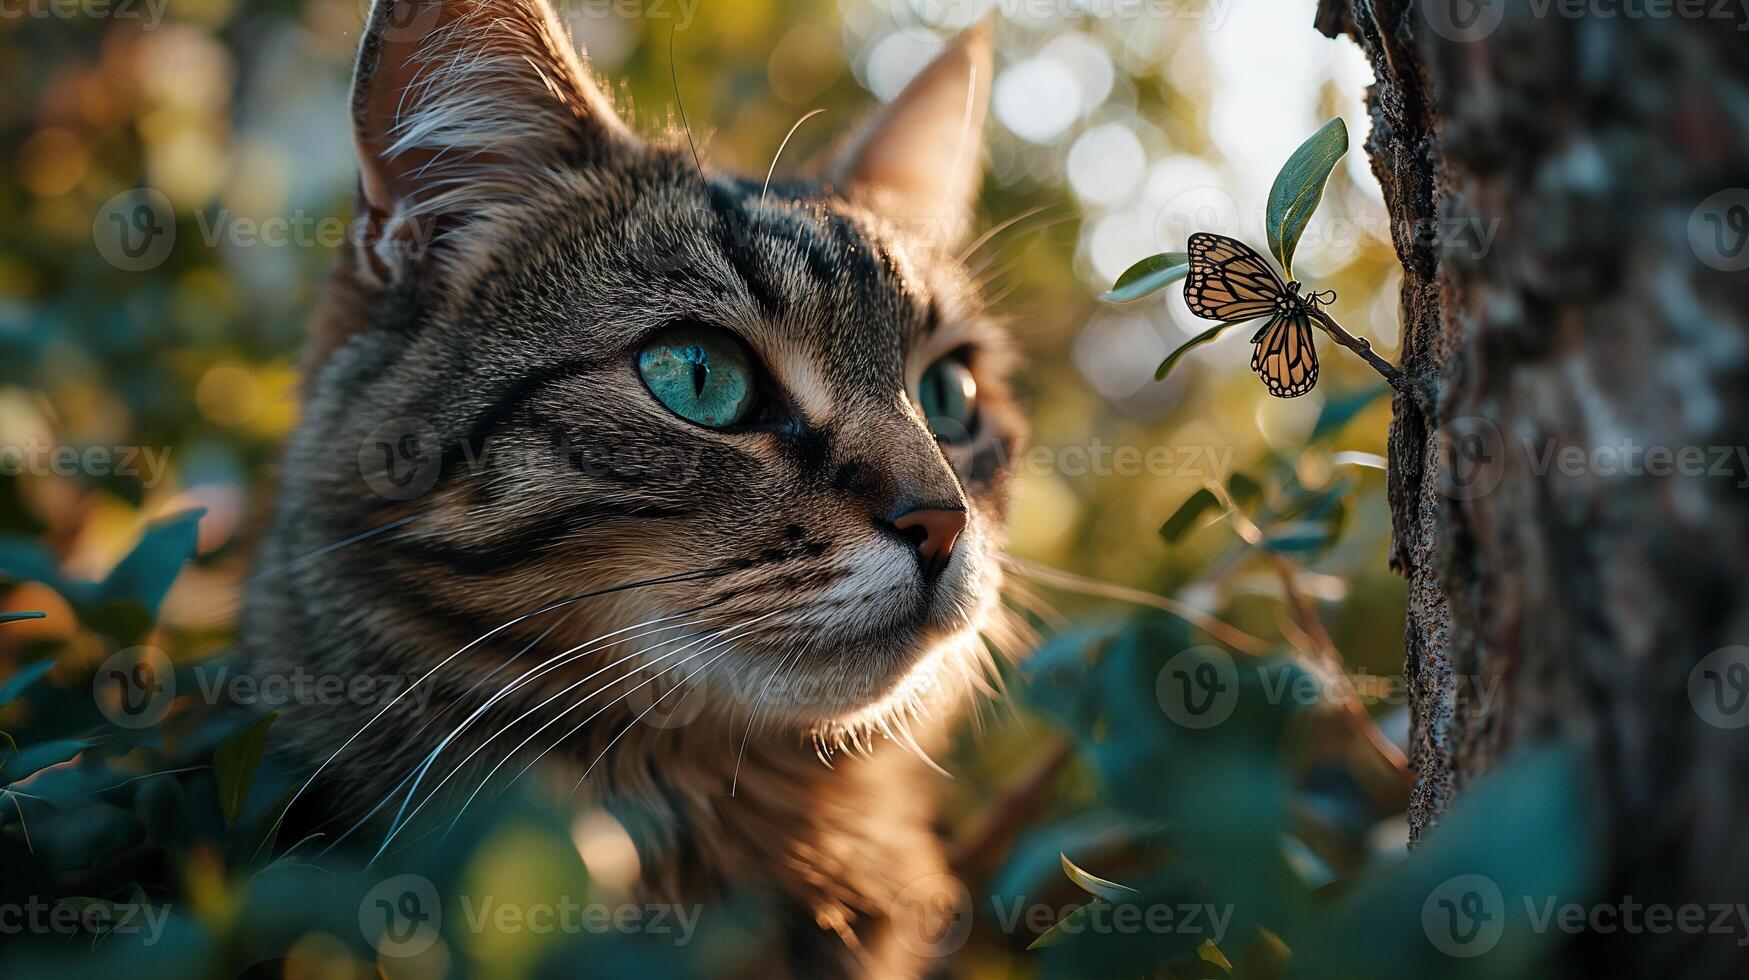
column 1607, row 315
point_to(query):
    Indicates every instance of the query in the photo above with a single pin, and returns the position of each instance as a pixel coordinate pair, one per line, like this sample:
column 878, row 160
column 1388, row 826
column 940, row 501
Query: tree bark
column 1569, row 191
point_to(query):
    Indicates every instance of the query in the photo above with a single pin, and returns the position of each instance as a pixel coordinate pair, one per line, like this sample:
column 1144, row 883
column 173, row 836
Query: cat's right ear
column 460, row 105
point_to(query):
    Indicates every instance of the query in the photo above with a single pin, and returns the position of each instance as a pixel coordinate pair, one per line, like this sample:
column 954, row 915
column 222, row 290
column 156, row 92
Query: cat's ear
column 456, row 105
column 923, row 154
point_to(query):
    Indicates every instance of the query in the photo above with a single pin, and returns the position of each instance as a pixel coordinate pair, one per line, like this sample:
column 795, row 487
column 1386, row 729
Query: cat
column 693, row 483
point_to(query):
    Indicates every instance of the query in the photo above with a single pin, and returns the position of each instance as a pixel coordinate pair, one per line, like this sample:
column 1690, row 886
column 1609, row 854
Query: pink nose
column 940, row 527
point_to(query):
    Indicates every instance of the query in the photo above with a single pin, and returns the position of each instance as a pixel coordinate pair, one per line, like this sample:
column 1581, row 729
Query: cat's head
column 769, row 424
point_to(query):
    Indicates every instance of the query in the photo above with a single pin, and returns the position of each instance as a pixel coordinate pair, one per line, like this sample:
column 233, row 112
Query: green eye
column 948, row 395
column 701, row 375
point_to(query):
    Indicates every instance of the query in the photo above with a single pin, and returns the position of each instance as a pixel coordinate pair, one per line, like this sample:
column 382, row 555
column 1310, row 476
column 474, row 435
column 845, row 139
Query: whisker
column 1231, row 635
column 658, row 700
column 660, row 580
column 773, row 168
column 527, row 677
column 735, row 782
column 398, row 824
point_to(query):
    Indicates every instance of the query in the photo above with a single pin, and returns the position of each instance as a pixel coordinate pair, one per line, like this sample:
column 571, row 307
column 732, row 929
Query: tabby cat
column 688, row 485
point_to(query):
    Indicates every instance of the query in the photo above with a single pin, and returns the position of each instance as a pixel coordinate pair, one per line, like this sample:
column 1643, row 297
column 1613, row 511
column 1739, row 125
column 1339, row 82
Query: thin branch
column 1363, row 347
column 1012, row 811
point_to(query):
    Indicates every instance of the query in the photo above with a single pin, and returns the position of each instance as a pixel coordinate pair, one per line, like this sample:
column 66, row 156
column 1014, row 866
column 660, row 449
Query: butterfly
column 1230, row 282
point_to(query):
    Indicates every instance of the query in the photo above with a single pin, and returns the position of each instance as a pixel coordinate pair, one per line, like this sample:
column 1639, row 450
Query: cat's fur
column 473, row 407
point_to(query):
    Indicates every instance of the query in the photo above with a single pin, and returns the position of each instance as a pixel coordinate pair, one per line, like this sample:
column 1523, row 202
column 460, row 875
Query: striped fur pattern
column 680, row 624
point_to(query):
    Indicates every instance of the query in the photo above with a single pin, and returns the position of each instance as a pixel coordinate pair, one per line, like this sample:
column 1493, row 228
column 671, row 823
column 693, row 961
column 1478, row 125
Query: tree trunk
column 1569, row 192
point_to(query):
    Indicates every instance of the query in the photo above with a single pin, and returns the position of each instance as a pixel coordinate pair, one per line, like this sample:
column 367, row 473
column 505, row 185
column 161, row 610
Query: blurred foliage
column 181, row 377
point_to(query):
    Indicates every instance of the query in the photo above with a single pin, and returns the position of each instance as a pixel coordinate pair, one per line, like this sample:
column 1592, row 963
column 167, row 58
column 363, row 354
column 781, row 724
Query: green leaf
column 1299, row 187
column 1339, row 411
column 32, row 759
column 26, row 676
column 1148, row 277
column 1067, row 926
column 13, row 617
column 144, row 576
column 1244, row 489
column 1297, row 537
column 1096, row 886
column 266, row 830
column 1187, row 513
column 1173, row 358
column 235, row 761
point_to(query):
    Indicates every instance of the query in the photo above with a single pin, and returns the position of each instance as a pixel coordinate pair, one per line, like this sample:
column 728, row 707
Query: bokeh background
column 1118, row 127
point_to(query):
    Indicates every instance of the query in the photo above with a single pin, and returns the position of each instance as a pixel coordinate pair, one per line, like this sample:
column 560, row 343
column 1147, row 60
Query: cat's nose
column 933, row 530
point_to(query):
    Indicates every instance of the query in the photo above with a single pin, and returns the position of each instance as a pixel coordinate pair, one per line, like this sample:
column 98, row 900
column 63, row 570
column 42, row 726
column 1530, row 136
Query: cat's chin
column 879, row 683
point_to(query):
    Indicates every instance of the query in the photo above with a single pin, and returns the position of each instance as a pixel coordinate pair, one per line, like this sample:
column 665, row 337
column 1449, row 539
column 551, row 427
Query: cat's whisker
column 552, row 663
column 1225, row 632
column 487, row 779
column 705, row 638
column 735, row 781
column 998, row 228
column 385, row 709
column 774, row 157
column 658, row 700
column 460, row 766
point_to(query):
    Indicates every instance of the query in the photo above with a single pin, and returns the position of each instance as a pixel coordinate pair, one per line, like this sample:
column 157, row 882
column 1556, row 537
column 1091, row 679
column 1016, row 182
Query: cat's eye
column 948, row 396
column 700, row 374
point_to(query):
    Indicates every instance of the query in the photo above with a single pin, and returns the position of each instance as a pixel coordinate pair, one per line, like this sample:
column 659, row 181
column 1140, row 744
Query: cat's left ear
column 919, row 161
column 459, row 106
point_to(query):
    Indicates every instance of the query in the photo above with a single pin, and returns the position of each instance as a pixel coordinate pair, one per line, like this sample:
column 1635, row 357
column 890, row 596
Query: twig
column 1363, row 347
column 1232, row 636
column 1322, row 646
column 1012, row 811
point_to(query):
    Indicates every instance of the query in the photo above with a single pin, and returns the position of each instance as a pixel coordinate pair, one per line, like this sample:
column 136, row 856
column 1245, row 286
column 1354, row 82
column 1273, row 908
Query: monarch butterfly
column 1230, row 282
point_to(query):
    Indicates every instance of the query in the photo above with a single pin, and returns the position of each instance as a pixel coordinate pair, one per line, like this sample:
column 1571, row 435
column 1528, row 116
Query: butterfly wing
column 1284, row 357
column 1229, row 281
